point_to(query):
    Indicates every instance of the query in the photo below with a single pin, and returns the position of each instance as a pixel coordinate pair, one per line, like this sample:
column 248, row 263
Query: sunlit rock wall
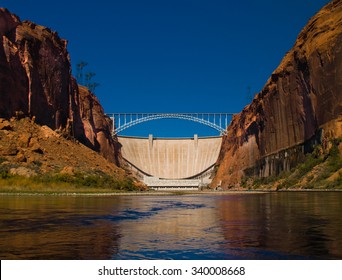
column 302, row 95
column 36, row 80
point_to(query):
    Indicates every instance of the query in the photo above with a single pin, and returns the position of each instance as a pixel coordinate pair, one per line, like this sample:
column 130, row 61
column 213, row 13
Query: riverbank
column 159, row 193
column 321, row 171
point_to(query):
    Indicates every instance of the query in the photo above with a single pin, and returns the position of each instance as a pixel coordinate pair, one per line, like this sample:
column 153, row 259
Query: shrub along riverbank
column 64, row 183
column 321, row 170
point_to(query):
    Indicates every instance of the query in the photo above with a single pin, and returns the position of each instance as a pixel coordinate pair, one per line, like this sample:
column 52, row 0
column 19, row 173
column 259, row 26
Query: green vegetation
column 4, row 170
column 57, row 183
column 88, row 77
column 320, row 170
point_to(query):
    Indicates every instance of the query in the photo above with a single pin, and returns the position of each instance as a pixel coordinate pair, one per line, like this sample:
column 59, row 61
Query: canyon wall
column 36, row 81
column 300, row 104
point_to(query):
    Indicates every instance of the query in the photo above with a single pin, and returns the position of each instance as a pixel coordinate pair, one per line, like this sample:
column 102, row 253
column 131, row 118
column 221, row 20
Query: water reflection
column 56, row 228
column 237, row 226
column 180, row 227
column 286, row 226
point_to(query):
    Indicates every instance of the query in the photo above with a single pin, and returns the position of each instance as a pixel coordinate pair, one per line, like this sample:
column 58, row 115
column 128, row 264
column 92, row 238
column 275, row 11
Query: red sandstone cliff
column 302, row 95
column 35, row 79
column 96, row 127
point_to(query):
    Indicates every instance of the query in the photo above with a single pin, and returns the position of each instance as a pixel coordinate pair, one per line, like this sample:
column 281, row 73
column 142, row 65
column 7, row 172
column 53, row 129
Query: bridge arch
column 217, row 121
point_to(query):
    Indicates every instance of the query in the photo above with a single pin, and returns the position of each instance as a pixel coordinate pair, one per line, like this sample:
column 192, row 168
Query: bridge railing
column 218, row 121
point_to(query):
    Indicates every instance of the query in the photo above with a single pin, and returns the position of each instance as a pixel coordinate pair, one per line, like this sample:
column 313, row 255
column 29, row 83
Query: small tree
column 93, row 86
column 88, row 77
column 79, row 74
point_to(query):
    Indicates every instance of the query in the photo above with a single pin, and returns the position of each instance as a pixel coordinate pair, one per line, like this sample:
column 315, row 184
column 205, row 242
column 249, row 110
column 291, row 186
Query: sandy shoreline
column 162, row 193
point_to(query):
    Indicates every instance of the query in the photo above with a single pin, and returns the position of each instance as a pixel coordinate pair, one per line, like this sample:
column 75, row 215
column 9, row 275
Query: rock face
column 36, row 80
column 302, row 97
column 95, row 128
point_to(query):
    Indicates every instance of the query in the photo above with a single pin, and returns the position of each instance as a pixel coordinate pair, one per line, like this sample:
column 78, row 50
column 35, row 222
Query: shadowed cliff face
column 302, row 95
column 35, row 78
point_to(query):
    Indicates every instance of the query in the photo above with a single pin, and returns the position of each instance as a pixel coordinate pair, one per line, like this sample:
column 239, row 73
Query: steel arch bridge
column 218, row 121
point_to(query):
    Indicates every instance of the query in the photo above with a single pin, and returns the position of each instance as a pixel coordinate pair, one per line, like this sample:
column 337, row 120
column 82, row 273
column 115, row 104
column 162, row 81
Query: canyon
column 299, row 107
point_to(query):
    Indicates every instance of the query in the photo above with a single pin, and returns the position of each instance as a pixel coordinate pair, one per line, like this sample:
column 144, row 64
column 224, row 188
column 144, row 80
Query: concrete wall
column 171, row 158
column 172, row 184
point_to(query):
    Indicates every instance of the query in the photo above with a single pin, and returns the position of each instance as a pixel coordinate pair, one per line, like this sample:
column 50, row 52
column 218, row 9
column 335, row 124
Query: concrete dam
column 171, row 161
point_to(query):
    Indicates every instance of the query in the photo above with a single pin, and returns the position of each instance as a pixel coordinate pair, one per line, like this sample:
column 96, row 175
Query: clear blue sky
column 174, row 55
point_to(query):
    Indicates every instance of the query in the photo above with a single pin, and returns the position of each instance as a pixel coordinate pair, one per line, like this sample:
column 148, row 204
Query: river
column 286, row 225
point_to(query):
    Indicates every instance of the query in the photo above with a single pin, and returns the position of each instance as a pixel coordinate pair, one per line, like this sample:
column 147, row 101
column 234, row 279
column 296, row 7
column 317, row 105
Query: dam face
column 176, row 158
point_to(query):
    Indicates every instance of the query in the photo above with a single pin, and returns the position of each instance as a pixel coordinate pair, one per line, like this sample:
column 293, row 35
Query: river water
column 289, row 225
